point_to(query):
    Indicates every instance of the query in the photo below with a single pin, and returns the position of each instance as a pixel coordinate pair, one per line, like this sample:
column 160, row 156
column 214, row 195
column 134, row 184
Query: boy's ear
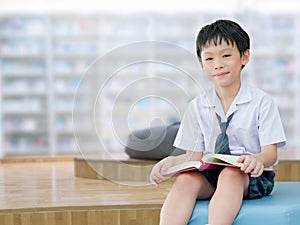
column 246, row 57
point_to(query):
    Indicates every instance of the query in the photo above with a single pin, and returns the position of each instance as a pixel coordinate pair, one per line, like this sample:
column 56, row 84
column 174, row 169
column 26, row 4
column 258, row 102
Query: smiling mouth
column 220, row 74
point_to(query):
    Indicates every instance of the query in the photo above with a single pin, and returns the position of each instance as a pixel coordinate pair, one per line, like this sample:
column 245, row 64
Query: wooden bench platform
column 120, row 167
column 115, row 167
column 48, row 193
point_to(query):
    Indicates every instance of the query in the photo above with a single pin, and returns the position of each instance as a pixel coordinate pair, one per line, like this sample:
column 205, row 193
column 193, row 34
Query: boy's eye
column 226, row 55
column 208, row 59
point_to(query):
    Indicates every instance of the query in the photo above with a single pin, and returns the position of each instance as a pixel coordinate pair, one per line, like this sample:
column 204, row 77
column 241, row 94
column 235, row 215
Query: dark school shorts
column 258, row 186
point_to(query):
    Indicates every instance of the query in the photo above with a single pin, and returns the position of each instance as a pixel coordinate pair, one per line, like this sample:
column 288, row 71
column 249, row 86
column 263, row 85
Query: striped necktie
column 222, row 143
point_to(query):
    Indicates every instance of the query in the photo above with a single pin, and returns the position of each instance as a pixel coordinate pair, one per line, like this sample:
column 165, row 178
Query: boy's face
column 222, row 63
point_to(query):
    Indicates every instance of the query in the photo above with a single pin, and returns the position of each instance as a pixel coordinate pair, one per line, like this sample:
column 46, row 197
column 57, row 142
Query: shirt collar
column 211, row 100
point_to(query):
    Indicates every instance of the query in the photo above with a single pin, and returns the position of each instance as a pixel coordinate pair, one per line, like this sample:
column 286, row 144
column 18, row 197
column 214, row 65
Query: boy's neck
column 227, row 95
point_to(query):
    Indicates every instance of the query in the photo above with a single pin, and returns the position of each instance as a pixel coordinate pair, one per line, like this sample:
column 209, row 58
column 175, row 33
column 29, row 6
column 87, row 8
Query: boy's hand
column 252, row 164
column 156, row 177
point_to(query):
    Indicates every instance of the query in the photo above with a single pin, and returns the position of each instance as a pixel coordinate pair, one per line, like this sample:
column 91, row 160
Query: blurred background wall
column 80, row 76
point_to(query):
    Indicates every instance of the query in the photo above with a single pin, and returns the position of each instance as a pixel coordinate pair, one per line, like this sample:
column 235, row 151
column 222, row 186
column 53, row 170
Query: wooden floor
column 46, row 191
column 49, row 193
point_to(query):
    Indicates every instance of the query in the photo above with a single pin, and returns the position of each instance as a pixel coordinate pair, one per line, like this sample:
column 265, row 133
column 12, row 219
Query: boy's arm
column 268, row 155
column 256, row 163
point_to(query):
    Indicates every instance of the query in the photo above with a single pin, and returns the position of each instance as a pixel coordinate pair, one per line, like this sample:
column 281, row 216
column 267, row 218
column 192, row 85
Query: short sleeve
column 189, row 136
column 270, row 126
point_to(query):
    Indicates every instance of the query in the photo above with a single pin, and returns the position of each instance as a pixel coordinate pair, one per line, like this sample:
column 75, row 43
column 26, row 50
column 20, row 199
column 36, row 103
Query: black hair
column 223, row 30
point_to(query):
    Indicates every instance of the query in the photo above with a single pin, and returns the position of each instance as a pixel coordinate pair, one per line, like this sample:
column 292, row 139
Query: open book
column 208, row 161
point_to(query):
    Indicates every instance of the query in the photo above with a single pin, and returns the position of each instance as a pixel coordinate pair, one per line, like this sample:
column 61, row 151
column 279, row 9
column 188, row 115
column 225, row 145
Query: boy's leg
column 227, row 200
column 179, row 204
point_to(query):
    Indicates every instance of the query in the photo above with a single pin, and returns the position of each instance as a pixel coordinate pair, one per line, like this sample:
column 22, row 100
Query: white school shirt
column 256, row 122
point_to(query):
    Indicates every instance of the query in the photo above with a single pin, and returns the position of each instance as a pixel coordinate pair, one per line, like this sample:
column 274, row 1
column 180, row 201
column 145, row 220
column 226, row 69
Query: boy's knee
column 191, row 179
column 234, row 177
column 232, row 173
column 193, row 184
column 187, row 177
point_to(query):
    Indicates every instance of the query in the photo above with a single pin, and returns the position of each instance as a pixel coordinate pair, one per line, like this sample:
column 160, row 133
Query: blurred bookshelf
column 44, row 58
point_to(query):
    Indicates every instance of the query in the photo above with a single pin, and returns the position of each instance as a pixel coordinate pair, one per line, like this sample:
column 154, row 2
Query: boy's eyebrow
column 222, row 50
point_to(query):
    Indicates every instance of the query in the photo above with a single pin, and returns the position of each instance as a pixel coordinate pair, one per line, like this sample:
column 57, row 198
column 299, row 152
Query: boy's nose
column 218, row 64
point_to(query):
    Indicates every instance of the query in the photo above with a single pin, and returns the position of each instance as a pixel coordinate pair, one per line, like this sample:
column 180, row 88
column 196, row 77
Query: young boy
column 253, row 130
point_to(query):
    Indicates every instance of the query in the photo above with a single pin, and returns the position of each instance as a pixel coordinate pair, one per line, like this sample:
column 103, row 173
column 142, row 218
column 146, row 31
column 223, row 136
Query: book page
column 182, row 167
column 222, row 158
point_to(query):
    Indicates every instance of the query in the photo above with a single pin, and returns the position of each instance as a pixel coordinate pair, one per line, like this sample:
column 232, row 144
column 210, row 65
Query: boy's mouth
column 221, row 74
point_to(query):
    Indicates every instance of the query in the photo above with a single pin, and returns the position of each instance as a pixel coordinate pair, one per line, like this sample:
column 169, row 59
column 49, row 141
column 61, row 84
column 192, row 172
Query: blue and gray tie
column 222, row 143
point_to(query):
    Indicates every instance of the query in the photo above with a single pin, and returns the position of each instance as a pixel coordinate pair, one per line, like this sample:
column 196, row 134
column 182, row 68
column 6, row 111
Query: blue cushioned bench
column 282, row 207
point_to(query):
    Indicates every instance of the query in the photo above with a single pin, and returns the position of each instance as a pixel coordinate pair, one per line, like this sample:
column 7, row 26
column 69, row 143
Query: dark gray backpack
column 155, row 143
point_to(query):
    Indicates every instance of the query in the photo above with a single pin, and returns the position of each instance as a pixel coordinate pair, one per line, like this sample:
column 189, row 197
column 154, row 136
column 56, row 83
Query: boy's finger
column 250, row 167
column 154, row 181
column 257, row 172
column 157, row 178
column 241, row 159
